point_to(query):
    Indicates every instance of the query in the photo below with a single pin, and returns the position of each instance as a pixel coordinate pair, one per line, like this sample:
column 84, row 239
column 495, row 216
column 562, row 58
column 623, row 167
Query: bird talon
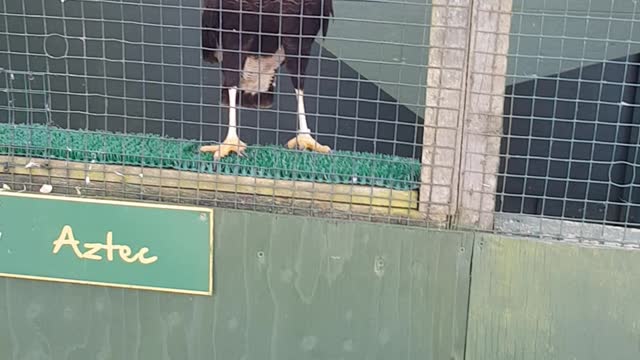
column 231, row 144
column 306, row 142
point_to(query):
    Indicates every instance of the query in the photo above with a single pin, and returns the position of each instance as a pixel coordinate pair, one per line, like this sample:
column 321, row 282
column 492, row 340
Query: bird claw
column 306, row 142
column 230, row 144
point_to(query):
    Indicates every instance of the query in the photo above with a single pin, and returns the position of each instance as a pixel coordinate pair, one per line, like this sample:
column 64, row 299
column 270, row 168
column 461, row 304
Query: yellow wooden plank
column 166, row 178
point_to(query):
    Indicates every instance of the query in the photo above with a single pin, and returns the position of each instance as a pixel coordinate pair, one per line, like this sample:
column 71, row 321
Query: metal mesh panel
column 510, row 116
column 135, row 67
column 569, row 150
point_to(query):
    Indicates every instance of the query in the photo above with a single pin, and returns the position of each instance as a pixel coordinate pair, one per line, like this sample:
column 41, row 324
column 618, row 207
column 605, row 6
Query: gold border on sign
column 208, row 211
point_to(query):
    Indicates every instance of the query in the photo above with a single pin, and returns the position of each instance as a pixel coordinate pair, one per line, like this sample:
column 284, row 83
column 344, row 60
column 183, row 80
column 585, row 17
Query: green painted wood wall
column 300, row 288
column 536, row 300
column 284, row 288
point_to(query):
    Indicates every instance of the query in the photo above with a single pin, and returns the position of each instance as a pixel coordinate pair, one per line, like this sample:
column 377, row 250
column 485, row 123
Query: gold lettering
column 66, row 238
column 110, row 246
column 125, row 251
column 144, row 260
column 93, row 249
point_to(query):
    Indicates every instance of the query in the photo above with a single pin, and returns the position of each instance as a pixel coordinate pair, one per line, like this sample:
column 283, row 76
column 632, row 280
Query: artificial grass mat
column 153, row 151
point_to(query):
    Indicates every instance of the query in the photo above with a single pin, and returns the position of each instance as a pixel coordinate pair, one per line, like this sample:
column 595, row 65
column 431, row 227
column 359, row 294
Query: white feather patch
column 258, row 72
column 218, row 55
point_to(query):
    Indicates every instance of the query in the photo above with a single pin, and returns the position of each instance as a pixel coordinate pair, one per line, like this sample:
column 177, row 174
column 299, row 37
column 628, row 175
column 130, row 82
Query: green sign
column 102, row 242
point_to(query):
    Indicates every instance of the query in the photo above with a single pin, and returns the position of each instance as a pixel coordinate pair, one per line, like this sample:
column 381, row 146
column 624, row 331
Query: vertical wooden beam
column 446, row 82
column 469, row 41
column 484, row 111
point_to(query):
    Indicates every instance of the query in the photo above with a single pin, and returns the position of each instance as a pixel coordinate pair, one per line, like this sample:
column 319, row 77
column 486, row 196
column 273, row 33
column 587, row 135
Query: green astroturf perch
column 153, row 151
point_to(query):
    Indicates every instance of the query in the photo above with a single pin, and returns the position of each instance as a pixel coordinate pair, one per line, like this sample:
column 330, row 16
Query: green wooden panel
column 536, row 300
column 56, row 238
column 284, row 288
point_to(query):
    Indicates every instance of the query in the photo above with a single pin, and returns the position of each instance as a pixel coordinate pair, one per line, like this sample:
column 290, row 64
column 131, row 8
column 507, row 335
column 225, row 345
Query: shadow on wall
column 132, row 67
column 571, row 144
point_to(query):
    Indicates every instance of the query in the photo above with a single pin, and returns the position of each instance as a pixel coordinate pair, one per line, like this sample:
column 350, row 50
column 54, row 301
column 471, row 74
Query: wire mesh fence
column 509, row 116
column 123, row 88
column 568, row 155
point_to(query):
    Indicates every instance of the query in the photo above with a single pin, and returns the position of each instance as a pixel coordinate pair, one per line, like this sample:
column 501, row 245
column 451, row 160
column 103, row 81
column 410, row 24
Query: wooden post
column 469, row 41
column 446, row 81
column 484, row 111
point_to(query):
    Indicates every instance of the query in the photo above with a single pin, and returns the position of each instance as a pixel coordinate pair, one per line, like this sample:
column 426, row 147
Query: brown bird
column 251, row 39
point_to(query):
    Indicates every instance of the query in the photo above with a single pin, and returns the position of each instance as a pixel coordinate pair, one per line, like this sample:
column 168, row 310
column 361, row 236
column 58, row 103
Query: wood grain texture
column 484, row 111
column 286, row 287
column 444, row 110
column 537, row 300
column 166, row 178
column 469, row 42
column 158, row 192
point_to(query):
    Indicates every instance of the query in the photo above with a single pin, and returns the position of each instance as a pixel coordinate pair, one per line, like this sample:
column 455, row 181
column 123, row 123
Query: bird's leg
column 232, row 142
column 304, row 140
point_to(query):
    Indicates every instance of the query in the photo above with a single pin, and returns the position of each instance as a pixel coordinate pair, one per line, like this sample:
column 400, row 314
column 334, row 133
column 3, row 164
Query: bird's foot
column 229, row 145
column 306, row 142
